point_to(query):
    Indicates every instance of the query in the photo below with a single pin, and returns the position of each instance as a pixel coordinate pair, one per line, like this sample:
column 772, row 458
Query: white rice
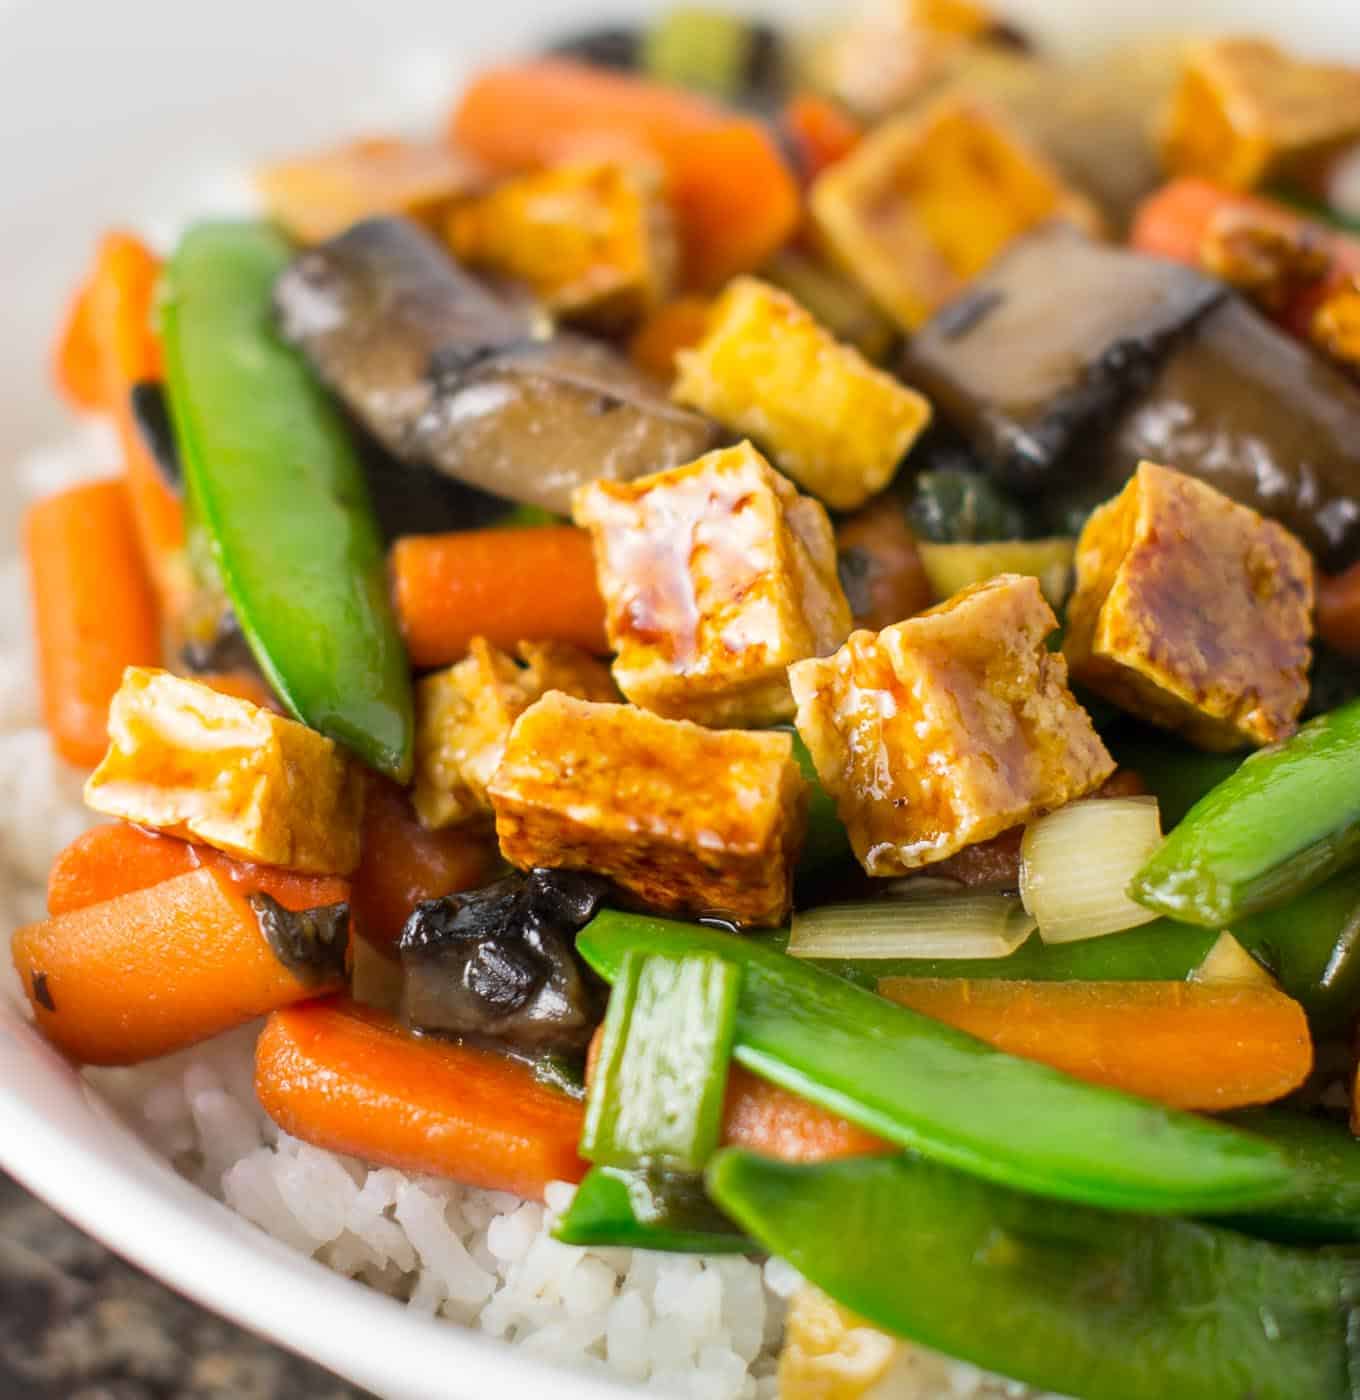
column 707, row 1328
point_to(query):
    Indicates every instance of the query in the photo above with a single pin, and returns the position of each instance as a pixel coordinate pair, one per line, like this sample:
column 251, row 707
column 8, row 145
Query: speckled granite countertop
column 76, row 1323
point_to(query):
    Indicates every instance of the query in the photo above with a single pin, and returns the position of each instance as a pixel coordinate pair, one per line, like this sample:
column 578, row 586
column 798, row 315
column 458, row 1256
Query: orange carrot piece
column 350, row 1079
column 1338, row 610
column 530, row 585
column 674, row 326
column 1202, row 1046
column 735, row 200
column 401, row 864
column 153, row 971
column 93, row 608
column 117, row 858
column 76, row 366
column 822, row 131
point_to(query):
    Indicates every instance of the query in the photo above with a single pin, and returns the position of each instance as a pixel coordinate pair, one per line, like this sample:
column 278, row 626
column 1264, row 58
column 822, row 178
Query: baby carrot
column 535, row 584
column 75, row 357
column 117, row 858
column 93, row 610
column 163, row 968
column 1209, row 1047
column 351, row 1080
column 822, row 132
column 676, row 325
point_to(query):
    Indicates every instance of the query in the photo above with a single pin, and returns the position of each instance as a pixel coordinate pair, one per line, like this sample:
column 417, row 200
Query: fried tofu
column 690, row 820
column 828, row 418
column 1246, row 111
column 1192, row 612
column 464, row 715
column 948, row 728
column 594, row 241
column 925, row 202
column 192, row 762
column 830, row 1354
column 716, row 576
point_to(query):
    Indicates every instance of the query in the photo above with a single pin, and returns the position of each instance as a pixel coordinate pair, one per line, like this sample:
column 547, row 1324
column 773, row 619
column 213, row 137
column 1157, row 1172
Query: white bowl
column 115, row 113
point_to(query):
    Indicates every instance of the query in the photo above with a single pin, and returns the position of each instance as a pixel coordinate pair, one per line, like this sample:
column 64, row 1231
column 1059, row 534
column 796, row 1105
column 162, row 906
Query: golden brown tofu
column 464, row 715
column 925, row 202
column 690, row 820
column 191, row 762
column 593, row 241
column 828, row 418
column 829, row 1353
column 315, row 197
column 715, row 576
column 948, row 728
column 1192, row 612
column 1245, row 111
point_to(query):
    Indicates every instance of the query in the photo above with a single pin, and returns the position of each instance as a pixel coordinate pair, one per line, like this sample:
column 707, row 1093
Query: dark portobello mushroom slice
column 444, row 371
column 499, row 963
column 1054, row 338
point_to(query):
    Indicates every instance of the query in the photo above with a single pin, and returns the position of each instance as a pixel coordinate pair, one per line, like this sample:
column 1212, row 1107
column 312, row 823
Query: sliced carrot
column 1338, row 610
column 401, row 864
column 154, row 971
column 822, row 132
column 674, row 326
column 1190, row 1045
column 735, row 200
column 75, row 357
column 351, row 1080
column 534, row 584
column 93, row 609
column 116, row 859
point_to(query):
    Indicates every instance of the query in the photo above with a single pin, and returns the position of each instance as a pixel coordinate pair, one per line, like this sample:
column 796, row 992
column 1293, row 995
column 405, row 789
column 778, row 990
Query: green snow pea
column 275, row 484
column 648, row 1209
column 1281, row 824
column 924, row 1085
column 1065, row 1298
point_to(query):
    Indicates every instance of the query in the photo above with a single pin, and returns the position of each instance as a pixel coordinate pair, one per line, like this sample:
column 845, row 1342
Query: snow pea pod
column 648, row 1210
column 924, row 1085
column 275, row 482
column 1281, row 824
column 1067, row 1299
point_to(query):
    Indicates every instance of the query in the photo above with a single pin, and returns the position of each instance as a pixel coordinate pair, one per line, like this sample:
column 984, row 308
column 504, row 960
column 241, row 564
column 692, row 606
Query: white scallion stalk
column 962, row 925
column 1076, row 865
column 1228, row 963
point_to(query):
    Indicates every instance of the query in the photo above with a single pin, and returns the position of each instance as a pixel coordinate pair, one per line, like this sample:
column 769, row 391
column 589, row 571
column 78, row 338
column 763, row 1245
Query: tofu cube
column 925, row 202
column 192, row 762
column 830, row 1354
column 464, row 715
column 1245, row 111
column 948, row 728
column 593, row 241
column 716, row 576
column 828, row 418
column 1192, row 612
column 690, row 820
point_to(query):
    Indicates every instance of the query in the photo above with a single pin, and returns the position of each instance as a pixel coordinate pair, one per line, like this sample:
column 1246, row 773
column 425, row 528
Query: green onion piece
column 648, row 1209
column 1076, row 865
column 694, row 47
column 971, row 925
column 657, row 1097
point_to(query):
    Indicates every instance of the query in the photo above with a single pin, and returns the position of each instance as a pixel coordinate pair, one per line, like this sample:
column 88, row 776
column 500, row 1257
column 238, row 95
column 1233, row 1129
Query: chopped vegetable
column 657, row 1095
column 1185, row 1044
column 445, row 372
column 897, row 1074
column 925, row 202
column 924, row 925
column 830, row 420
column 94, row 612
column 676, row 325
column 272, row 476
column 765, row 1118
column 833, row 299
column 1228, row 964
column 116, row 859
column 878, row 560
column 1066, row 1299
column 1076, row 863
column 592, row 240
column 710, row 50
column 536, row 583
column 350, row 1080
column 950, row 505
column 735, row 202
column 716, row 576
column 648, row 1209
column 713, row 822
column 1280, row 825
column 953, row 567
column 822, row 132
column 497, row 963
column 949, row 728
column 76, row 365
column 165, row 967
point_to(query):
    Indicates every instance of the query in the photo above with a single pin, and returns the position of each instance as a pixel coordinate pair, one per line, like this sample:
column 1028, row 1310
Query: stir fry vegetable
column 648, row 1210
